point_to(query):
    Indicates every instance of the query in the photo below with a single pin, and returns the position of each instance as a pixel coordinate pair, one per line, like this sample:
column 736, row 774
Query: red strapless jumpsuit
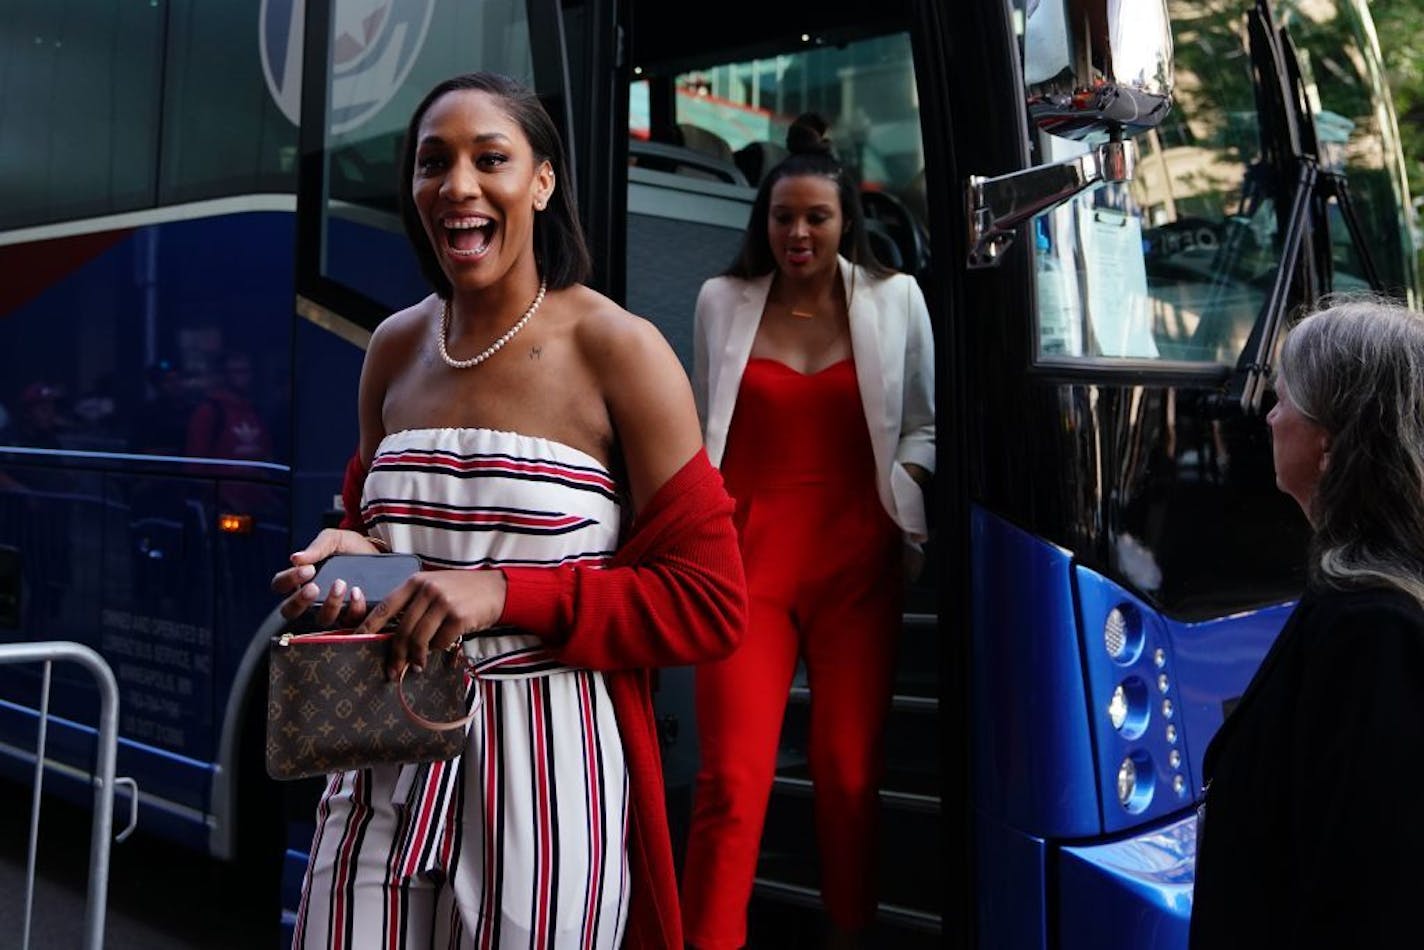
column 823, row 565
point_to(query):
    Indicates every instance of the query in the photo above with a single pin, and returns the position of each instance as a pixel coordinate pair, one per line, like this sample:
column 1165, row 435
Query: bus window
column 691, row 186
column 81, row 83
column 225, row 131
column 372, row 94
column 1174, row 266
column 1355, row 135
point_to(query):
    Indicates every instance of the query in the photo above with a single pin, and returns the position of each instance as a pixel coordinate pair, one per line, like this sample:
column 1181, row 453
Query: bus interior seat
column 887, row 219
column 886, row 250
column 678, row 159
column 755, row 159
column 687, row 211
column 701, row 140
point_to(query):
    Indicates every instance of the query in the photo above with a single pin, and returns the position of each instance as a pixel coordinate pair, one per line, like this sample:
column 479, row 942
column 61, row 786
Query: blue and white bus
column 198, row 233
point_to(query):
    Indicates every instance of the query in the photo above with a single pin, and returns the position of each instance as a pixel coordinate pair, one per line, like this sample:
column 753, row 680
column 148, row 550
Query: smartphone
column 376, row 574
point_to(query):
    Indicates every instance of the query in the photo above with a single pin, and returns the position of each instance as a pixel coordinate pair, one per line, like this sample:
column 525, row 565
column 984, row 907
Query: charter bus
column 1114, row 209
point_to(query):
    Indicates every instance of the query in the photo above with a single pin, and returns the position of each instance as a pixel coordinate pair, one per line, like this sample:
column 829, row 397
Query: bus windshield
column 1176, row 264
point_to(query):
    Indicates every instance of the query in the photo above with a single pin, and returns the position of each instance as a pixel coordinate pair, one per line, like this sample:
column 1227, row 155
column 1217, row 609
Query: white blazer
column 893, row 347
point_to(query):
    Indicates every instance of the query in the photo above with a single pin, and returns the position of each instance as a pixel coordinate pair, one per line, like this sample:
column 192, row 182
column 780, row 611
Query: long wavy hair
column 811, row 154
column 559, row 246
column 1357, row 369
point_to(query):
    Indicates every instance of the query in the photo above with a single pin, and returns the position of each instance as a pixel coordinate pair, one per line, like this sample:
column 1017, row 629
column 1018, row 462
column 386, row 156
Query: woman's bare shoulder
column 607, row 333
column 405, row 326
column 397, row 339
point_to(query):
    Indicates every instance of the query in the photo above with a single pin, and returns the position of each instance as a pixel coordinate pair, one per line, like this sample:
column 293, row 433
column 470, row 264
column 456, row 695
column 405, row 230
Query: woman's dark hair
column 810, row 155
column 559, row 246
column 1356, row 368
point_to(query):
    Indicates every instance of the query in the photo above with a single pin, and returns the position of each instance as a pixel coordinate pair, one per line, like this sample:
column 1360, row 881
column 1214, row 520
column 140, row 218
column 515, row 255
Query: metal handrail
column 47, row 652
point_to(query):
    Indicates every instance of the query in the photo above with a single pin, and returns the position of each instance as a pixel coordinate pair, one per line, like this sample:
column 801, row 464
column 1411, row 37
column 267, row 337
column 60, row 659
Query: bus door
column 706, row 95
column 361, row 70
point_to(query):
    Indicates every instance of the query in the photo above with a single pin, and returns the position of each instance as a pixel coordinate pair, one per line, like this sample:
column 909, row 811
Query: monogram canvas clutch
column 330, row 707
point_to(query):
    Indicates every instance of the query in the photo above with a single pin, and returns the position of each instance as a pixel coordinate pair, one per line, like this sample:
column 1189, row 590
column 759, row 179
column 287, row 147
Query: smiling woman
column 506, row 422
column 794, row 344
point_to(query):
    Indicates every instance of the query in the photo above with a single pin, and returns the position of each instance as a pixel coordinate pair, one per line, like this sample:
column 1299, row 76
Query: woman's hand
column 436, row 610
column 296, row 581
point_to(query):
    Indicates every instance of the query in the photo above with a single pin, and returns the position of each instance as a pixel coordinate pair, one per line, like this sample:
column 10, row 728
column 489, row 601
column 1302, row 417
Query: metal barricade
column 47, row 652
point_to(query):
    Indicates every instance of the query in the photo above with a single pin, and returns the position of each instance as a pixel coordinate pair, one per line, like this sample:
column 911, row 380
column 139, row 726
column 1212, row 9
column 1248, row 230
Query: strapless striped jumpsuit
column 520, row 842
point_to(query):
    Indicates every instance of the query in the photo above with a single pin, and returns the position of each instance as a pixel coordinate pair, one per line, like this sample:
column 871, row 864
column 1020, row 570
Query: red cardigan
column 674, row 594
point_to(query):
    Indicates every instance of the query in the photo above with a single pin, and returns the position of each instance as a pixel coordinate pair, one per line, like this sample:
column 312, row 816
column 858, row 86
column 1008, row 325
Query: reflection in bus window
column 371, row 103
column 739, row 112
column 1344, row 84
column 700, row 142
column 1176, row 265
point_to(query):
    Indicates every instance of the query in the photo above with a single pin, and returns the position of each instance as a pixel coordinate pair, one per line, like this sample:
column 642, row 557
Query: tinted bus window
column 691, row 190
column 226, row 131
column 1355, row 134
column 1174, row 265
column 866, row 86
column 78, row 108
column 374, row 90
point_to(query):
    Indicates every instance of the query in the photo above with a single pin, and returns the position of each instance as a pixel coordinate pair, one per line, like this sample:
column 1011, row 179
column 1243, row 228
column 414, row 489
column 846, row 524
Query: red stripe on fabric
column 495, row 465
column 473, row 517
column 341, row 875
column 420, row 833
column 513, row 659
column 577, row 560
column 592, row 766
column 493, row 823
column 538, row 715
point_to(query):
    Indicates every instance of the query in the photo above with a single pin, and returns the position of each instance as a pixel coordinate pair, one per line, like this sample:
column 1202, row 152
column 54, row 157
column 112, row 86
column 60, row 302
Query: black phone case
column 376, row 574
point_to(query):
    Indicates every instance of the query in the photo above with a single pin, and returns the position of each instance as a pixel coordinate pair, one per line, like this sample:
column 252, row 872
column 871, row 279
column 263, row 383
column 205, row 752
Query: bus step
column 927, row 704
column 911, row 747
column 921, row 622
column 788, row 917
column 908, row 871
column 910, row 801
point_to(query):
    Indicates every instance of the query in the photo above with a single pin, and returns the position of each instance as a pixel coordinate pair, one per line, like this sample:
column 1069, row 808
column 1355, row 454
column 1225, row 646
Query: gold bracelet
column 380, row 545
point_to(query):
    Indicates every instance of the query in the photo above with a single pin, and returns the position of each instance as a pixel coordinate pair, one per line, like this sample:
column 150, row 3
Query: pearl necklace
column 494, row 347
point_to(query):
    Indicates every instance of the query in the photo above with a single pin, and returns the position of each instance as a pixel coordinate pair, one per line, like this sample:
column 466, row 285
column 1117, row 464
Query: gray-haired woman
column 1314, row 827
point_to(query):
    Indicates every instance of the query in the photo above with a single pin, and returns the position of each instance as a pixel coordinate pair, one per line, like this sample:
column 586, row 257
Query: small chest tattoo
column 536, row 352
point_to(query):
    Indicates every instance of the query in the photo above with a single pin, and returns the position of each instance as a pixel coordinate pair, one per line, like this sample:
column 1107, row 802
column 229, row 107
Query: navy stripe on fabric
column 570, row 483
column 502, row 527
column 594, row 558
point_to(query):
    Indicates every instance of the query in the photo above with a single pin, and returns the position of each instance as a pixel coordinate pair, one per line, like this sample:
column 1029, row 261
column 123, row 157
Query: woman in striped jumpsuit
column 509, row 422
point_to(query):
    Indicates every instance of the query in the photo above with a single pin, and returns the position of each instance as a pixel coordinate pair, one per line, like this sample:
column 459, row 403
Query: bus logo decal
column 375, row 43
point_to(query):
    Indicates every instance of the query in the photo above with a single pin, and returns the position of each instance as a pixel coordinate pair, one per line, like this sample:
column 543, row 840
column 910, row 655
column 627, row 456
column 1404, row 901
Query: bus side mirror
column 1099, row 71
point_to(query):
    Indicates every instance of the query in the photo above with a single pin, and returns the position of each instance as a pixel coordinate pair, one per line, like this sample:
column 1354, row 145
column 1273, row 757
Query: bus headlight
column 1126, row 781
column 1129, row 708
column 1122, row 634
column 1135, row 781
column 1117, row 707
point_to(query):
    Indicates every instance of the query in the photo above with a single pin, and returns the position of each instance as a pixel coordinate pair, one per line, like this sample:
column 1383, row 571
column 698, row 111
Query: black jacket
column 1314, row 823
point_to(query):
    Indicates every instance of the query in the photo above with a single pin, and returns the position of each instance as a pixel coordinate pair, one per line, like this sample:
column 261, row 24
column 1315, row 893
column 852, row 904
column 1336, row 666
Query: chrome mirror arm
column 997, row 206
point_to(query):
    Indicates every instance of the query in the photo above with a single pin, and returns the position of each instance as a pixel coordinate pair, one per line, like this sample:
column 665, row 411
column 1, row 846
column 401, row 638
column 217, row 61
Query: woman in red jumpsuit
column 814, row 375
